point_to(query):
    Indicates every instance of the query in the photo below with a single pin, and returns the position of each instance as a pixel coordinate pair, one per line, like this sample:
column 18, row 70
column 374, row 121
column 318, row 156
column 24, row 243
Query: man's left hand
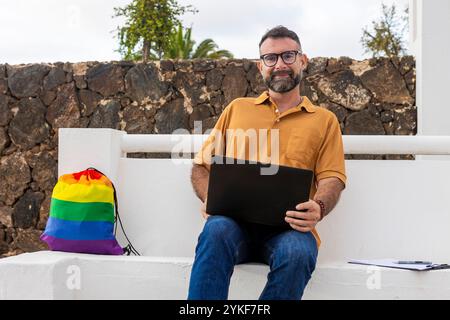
column 304, row 221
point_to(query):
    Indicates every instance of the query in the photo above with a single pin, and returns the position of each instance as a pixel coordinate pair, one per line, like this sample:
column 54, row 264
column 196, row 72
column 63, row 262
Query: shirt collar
column 306, row 103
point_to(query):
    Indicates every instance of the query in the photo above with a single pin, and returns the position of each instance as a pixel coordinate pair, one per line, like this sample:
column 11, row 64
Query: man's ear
column 305, row 61
column 259, row 65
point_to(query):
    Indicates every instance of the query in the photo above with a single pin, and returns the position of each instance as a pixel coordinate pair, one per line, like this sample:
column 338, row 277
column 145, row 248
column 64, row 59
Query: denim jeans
column 224, row 243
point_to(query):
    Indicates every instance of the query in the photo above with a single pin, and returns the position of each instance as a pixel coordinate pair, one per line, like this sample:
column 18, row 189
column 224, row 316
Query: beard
column 282, row 85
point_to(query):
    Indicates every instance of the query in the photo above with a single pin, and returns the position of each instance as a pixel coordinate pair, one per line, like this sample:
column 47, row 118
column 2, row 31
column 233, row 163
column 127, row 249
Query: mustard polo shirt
column 309, row 137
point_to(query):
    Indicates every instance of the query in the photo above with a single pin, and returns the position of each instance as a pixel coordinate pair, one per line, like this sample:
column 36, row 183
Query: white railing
column 355, row 144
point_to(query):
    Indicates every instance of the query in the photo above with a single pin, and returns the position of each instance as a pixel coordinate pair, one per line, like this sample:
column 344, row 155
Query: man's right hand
column 203, row 210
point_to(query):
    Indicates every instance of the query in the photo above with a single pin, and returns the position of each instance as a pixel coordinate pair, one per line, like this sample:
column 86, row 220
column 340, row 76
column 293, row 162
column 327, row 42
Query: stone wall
column 374, row 96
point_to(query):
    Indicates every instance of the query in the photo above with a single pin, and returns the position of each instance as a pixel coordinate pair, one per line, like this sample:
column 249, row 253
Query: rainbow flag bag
column 83, row 215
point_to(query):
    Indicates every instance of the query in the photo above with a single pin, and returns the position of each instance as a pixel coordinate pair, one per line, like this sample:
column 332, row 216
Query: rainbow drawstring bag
column 83, row 212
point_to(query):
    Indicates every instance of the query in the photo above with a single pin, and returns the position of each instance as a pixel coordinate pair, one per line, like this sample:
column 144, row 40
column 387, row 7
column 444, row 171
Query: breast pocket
column 303, row 147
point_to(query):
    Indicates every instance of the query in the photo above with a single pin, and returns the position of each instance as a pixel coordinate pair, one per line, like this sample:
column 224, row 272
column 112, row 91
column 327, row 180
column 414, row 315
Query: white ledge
column 354, row 144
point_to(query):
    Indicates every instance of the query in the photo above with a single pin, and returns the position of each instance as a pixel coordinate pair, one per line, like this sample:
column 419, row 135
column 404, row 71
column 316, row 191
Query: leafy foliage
column 181, row 46
column 148, row 28
column 387, row 35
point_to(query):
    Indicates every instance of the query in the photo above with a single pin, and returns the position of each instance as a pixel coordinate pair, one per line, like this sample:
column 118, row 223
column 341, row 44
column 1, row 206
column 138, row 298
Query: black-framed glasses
column 288, row 57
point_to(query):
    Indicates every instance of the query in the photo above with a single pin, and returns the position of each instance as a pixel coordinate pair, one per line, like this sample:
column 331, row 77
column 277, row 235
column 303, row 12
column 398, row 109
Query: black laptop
column 239, row 190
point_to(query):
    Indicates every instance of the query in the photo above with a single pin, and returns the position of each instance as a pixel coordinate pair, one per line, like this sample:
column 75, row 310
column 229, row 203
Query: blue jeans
column 225, row 243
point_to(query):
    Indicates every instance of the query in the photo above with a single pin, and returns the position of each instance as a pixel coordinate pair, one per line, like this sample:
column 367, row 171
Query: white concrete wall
column 79, row 149
column 381, row 214
column 385, row 201
column 430, row 43
column 390, row 209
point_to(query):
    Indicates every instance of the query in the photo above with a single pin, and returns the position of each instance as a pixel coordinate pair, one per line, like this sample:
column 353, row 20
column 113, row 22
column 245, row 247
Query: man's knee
column 218, row 228
column 296, row 250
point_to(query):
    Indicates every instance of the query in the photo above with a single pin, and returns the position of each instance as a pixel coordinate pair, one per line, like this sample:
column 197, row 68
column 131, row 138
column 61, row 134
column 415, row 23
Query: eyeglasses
column 288, row 57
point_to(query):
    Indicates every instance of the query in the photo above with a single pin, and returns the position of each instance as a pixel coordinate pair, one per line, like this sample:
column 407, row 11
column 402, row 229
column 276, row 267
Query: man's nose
column 280, row 65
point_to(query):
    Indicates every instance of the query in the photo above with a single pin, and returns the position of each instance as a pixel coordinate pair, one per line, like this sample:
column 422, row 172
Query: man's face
column 282, row 77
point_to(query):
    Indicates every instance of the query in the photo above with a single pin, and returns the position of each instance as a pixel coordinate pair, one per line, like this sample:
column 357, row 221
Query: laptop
column 237, row 189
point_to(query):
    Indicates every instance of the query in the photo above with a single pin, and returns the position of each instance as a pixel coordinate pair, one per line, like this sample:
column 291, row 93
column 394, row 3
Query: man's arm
column 199, row 179
column 329, row 191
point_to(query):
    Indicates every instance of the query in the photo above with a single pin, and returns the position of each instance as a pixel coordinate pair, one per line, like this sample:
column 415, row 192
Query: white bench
column 390, row 208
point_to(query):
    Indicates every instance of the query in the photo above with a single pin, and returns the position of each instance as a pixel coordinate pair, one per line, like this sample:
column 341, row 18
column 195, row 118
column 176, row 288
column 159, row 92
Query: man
column 310, row 138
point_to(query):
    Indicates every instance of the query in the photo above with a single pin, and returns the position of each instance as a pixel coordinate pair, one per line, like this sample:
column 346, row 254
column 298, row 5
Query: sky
column 84, row 30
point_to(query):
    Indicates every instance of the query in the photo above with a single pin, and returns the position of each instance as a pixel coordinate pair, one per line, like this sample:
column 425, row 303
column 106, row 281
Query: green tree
column 148, row 27
column 387, row 36
column 181, row 46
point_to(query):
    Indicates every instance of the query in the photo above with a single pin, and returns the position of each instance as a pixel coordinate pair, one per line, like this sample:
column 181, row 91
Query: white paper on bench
column 393, row 263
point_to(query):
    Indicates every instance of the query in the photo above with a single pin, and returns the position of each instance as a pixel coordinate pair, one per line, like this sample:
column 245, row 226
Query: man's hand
column 203, row 210
column 304, row 221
